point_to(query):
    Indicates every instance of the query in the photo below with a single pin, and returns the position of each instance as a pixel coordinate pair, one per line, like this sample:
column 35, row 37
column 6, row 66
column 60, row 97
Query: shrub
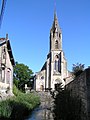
column 5, row 109
column 18, row 106
column 16, row 91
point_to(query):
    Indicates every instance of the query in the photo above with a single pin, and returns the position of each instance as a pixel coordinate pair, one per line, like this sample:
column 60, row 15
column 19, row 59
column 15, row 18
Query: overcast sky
column 28, row 23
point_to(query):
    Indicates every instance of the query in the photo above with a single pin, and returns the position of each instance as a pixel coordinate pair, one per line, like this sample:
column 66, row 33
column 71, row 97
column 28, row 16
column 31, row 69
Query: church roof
column 44, row 67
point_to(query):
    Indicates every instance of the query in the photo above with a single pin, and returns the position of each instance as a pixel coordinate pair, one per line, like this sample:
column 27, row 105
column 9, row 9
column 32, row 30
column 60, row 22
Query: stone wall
column 88, row 90
column 40, row 81
column 80, row 87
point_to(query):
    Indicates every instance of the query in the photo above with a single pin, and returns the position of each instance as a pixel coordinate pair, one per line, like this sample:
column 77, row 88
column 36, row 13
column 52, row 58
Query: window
column 3, row 53
column 42, row 77
column 59, row 35
column 57, row 65
column 56, row 30
column 8, row 76
column 56, row 44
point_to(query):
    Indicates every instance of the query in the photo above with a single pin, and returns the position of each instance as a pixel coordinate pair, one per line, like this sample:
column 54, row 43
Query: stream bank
column 45, row 110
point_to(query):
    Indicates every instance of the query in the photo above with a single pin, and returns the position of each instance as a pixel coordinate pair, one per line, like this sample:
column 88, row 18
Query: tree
column 22, row 75
column 77, row 69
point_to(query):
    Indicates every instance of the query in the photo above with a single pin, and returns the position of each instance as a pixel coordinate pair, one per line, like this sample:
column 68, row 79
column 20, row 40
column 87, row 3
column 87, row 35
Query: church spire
column 55, row 22
column 55, row 34
column 55, row 16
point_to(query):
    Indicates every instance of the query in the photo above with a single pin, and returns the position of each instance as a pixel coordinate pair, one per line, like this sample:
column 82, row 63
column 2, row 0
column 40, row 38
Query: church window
column 53, row 34
column 56, row 30
column 56, row 24
column 56, row 44
column 57, row 64
column 42, row 77
column 59, row 35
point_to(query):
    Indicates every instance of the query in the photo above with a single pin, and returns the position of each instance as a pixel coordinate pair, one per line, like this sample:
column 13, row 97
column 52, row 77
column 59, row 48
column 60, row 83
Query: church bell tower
column 56, row 62
column 54, row 70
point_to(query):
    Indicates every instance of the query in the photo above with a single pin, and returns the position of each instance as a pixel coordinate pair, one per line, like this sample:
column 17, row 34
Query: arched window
column 57, row 64
column 59, row 35
column 56, row 44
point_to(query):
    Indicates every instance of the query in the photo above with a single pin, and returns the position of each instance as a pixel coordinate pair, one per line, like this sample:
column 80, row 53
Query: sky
column 28, row 24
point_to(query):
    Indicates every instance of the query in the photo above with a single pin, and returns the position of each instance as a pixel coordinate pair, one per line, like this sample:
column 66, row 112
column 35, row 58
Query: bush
column 30, row 100
column 16, row 92
column 5, row 109
column 18, row 106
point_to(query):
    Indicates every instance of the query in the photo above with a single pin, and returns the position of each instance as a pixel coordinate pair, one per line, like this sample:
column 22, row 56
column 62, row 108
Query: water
column 45, row 110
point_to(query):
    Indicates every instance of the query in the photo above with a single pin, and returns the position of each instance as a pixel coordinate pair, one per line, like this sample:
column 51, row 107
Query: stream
column 45, row 110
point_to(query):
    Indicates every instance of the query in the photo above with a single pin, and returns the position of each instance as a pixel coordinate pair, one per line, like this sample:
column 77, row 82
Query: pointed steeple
column 55, row 34
column 55, row 23
column 55, row 16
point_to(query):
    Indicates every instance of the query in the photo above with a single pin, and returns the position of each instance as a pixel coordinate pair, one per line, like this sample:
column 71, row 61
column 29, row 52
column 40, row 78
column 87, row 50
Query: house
column 6, row 66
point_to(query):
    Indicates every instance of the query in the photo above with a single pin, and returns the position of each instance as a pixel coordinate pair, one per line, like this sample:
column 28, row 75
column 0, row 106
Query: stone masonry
column 80, row 87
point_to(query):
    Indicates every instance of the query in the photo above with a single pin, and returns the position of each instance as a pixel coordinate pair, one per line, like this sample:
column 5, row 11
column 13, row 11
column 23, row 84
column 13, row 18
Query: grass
column 19, row 106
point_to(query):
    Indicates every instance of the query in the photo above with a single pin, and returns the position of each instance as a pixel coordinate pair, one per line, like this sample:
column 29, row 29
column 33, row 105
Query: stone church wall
column 40, row 81
column 80, row 87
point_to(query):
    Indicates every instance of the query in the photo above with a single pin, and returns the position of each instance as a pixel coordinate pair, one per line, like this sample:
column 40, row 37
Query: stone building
column 6, row 66
column 80, row 87
column 54, row 70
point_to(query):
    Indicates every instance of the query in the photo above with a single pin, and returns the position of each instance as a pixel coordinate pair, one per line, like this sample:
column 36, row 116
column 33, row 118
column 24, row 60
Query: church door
column 41, row 88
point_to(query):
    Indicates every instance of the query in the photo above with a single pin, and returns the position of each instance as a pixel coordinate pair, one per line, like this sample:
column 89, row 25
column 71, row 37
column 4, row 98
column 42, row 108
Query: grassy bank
column 19, row 106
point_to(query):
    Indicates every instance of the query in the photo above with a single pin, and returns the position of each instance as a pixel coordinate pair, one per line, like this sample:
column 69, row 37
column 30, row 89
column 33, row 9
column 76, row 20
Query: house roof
column 5, row 41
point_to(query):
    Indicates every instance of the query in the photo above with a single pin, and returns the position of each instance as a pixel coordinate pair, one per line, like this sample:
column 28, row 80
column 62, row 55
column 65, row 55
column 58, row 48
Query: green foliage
column 67, row 107
column 5, row 109
column 23, row 104
column 78, row 69
column 18, row 106
column 30, row 100
column 22, row 75
column 16, row 92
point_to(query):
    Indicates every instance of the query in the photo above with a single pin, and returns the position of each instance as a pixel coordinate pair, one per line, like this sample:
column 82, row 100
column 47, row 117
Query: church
column 54, row 71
